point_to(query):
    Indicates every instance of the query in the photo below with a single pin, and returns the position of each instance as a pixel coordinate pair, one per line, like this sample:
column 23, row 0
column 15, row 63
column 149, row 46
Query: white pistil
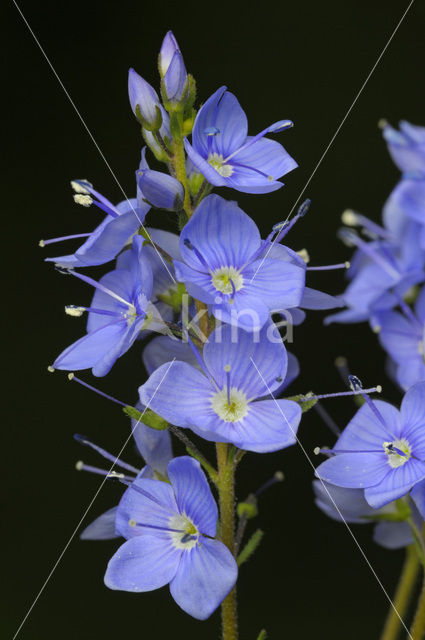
column 84, row 200
column 396, row 459
column 222, row 280
column 217, row 162
column 186, row 535
column 231, row 405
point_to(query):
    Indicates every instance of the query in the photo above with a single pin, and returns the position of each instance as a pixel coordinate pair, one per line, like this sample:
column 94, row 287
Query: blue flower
column 225, row 264
column 381, row 271
column 224, row 402
column 407, row 146
column 107, row 240
column 352, row 506
column 382, row 450
column 406, row 205
column 170, row 531
column 118, row 313
column 224, row 153
column 173, row 72
column 403, row 338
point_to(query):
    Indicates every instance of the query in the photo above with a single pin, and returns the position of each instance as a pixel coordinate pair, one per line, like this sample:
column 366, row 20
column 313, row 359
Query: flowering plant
column 223, row 300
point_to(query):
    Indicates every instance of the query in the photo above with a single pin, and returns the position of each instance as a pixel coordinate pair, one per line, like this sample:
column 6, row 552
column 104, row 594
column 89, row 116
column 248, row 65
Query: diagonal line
column 55, row 566
column 334, row 503
column 83, row 122
column 341, row 124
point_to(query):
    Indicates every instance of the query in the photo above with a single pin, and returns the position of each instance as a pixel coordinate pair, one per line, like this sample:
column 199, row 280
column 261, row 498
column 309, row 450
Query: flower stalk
column 417, row 631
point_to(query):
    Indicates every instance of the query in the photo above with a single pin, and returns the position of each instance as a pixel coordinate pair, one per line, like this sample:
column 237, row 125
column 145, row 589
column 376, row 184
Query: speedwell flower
column 382, row 450
column 226, row 264
column 225, row 401
column 118, row 313
column 170, row 531
column 224, row 153
column 407, row 146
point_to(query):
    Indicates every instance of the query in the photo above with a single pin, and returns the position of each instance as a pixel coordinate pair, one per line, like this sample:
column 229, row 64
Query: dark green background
column 300, row 60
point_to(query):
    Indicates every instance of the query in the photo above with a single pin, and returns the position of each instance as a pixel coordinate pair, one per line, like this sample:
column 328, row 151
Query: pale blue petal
column 279, row 284
column 163, row 349
column 205, row 576
column 396, row 484
column 354, row 470
column 193, row 494
column 91, row 349
column 212, row 176
column 267, row 156
column 342, row 504
column 313, row 299
column 418, row 495
column 103, row 528
column 413, row 407
column 119, row 281
column 365, row 431
column 398, row 336
column 393, row 535
column 154, row 446
column 144, row 563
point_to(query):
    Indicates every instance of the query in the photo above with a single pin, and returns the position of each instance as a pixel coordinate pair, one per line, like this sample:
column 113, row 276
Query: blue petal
column 168, row 48
column 227, row 347
column 247, row 311
column 279, row 284
column 193, row 494
column 396, row 484
column 410, row 196
column 313, row 299
column 366, row 431
column 221, row 111
column 205, row 576
column 418, row 495
column 351, row 503
column 410, row 372
column 162, row 348
column 175, row 79
column 398, row 336
column 142, row 94
column 198, row 284
column 420, row 305
column 222, row 233
column 413, row 407
column 161, row 190
column 119, row 281
column 89, row 350
column 354, row 470
column 212, row 176
column 144, row 563
column 103, row 528
column 153, row 505
column 179, row 393
column 393, row 535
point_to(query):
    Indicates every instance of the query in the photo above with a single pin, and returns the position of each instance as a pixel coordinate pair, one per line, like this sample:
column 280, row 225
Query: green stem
column 402, row 595
column 226, row 489
column 180, row 168
column 417, row 631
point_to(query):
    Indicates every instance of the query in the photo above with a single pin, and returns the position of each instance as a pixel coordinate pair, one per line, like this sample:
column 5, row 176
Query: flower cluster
column 376, row 469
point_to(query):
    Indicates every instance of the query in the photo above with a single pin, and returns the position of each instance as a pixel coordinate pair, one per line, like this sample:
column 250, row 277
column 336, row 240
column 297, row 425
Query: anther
column 303, row 208
column 211, row 131
column 51, row 369
column 79, row 186
column 85, row 201
column 72, row 310
column 41, row 244
column 382, row 123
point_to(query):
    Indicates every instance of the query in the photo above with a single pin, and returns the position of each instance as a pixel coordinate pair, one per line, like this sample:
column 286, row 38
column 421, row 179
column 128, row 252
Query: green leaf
column 148, row 417
column 262, row 635
column 250, row 547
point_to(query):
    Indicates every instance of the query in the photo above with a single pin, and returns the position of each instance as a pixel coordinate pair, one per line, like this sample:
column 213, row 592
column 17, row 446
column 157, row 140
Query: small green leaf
column 248, row 508
column 250, row 547
column 306, row 401
column 263, row 635
column 148, row 417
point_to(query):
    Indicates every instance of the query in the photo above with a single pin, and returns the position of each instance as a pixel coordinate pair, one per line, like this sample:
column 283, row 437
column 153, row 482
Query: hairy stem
column 402, row 595
column 418, row 627
column 226, row 489
column 180, row 167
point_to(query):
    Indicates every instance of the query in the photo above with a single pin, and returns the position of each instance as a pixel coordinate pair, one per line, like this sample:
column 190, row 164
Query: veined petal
column 103, row 528
column 193, row 494
column 162, row 348
column 247, row 311
column 396, row 484
column 354, row 470
column 119, row 281
column 205, row 576
column 279, row 284
column 366, row 431
column 143, row 563
column 398, row 336
column 249, row 180
column 229, row 346
column 154, row 504
column 90, row 349
column 222, row 233
column 204, row 167
column 411, row 371
column 179, row 393
column 221, row 111
column 413, row 407
column 418, row 495
column 205, row 291
column 268, row 156
column 313, row 299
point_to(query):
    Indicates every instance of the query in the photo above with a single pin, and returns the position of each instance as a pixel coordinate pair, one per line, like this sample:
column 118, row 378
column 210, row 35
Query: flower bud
column 161, row 190
column 144, row 101
column 168, row 49
column 175, row 82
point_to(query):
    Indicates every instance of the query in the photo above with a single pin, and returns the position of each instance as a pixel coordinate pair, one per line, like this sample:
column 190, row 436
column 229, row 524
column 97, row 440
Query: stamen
column 187, row 243
column 376, row 389
column 302, row 210
column 133, row 523
column 199, row 358
column 87, row 443
column 43, row 243
column 73, row 310
column 93, row 283
column 330, row 267
column 277, row 477
column 146, row 494
column 227, row 370
column 277, row 127
column 211, row 131
column 73, row 377
column 353, row 219
column 356, row 385
column 111, row 475
column 351, row 238
column 80, row 186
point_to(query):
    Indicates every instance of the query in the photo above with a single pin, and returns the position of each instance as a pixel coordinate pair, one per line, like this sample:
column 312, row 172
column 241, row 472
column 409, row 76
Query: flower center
column 131, row 315
column 230, row 406
column 216, row 160
column 186, row 536
column 223, row 278
column 398, row 452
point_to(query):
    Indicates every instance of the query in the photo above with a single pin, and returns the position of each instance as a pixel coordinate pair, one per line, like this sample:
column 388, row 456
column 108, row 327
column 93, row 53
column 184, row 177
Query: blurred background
column 302, row 60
